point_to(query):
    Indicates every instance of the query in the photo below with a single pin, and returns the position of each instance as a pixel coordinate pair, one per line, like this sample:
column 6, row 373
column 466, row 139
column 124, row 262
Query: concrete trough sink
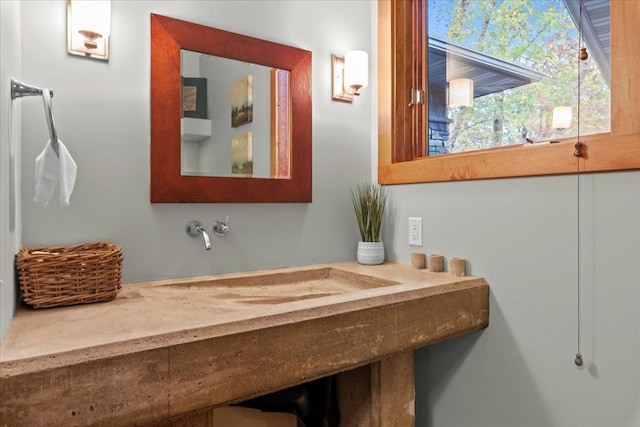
column 168, row 348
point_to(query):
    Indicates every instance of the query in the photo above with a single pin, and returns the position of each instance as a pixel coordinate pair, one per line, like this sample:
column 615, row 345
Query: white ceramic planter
column 370, row 253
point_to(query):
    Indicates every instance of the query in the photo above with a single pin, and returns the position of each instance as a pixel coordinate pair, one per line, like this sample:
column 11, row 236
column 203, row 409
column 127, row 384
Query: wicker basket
column 59, row 275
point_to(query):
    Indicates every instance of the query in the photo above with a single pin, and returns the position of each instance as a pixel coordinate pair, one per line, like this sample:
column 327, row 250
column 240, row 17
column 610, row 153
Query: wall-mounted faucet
column 194, row 229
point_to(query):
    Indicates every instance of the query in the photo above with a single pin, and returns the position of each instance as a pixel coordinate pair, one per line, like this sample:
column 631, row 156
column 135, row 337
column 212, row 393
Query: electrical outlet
column 415, row 231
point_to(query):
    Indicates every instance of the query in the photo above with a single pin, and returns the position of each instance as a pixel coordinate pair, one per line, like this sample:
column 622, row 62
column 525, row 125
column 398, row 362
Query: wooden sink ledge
column 167, row 348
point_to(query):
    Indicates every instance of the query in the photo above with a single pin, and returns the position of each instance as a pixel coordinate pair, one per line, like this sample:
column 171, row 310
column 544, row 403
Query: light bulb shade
column 356, row 70
column 562, row 117
column 461, row 93
column 88, row 27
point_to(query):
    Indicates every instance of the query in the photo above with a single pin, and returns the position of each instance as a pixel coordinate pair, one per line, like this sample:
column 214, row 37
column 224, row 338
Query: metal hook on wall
column 20, row 89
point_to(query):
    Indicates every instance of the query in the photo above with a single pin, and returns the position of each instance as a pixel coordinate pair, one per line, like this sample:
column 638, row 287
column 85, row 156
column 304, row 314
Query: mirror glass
column 249, row 140
column 234, row 118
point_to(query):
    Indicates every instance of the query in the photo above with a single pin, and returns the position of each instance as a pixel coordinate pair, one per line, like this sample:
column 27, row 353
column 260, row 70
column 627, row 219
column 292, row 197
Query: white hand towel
column 51, row 169
column 47, row 172
column 68, row 169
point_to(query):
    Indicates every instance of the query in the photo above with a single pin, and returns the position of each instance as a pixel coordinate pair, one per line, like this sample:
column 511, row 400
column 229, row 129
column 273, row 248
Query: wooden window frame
column 619, row 149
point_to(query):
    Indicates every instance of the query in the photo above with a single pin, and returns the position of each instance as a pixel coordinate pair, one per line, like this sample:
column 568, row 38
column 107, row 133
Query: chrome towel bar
column 20, row 89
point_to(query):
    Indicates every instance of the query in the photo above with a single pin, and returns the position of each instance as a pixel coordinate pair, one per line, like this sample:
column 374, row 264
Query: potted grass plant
column 369, row 201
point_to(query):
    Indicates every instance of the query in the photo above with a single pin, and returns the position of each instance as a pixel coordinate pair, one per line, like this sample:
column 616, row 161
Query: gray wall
column 521, row 235
column 10, row 131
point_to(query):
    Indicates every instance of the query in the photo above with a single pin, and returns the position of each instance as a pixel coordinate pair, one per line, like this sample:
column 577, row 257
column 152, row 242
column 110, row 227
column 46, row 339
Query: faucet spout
column 207, row 242
column 194, row 228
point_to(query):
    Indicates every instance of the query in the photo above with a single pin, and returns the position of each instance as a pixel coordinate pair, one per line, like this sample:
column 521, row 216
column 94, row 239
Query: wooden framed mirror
column 169, row 37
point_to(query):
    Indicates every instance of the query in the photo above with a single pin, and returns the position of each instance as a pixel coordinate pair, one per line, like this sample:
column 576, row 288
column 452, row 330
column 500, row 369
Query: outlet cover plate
column 415, row 231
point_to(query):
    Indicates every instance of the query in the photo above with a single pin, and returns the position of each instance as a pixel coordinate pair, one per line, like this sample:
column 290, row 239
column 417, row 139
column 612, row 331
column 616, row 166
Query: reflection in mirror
column 518, row 60
column 235, row 118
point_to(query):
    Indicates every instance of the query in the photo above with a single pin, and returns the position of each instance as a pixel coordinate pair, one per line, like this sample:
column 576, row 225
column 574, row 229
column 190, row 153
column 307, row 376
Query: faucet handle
column 221, row 226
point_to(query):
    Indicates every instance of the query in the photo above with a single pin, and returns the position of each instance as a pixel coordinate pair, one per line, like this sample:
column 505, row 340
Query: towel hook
column 20, row 89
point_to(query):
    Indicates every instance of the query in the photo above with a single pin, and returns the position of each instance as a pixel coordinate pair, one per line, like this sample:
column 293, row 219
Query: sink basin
column 144, row 314
column 236, row 293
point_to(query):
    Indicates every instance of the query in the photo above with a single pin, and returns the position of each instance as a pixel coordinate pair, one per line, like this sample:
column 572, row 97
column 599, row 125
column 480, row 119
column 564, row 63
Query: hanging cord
column 583, row 55
column 578, row 360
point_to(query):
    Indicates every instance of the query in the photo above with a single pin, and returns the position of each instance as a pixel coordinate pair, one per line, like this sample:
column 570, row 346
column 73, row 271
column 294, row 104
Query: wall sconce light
column 460, row 93
column 562, row 117
column 349, row 74
column 88, row 28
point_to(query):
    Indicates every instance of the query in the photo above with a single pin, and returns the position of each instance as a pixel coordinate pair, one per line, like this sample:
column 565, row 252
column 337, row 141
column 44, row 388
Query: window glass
column 499, row 68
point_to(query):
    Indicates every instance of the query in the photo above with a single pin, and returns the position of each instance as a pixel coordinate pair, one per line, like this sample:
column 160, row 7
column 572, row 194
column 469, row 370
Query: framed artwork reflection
column 194, row 97
column 242, row 102
column 242, row 155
